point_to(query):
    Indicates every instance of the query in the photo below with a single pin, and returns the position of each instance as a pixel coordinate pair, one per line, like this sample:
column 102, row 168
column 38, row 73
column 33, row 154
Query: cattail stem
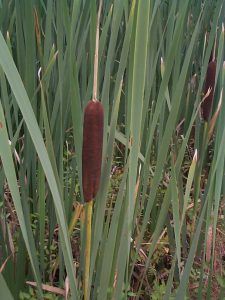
column 88, row 217
column 93, row 120
column 95, row 80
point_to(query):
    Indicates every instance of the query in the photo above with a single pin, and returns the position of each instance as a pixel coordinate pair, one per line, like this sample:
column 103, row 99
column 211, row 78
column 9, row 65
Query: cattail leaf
column 5, row 292
column 23, row 102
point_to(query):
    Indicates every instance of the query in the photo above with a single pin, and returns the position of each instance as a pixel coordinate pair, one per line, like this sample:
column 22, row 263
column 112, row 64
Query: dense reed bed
column 125, row 206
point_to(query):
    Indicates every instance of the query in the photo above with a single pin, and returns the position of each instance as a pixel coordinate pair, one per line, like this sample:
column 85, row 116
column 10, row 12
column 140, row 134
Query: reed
column 152, row 208
column 209, row 88
column 91, row 171
column 92, row 149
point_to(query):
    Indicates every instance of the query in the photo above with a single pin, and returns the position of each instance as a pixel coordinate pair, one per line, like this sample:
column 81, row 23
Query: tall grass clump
column 129, row 205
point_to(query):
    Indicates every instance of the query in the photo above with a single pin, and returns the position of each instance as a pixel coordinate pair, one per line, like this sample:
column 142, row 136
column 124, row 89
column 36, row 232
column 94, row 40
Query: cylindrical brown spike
column 209, row 84
column 92, row 149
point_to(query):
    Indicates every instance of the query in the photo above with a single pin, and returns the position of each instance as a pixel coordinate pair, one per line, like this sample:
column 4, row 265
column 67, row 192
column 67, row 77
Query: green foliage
column 159, row 291
column 158, row 216
column 32, row 295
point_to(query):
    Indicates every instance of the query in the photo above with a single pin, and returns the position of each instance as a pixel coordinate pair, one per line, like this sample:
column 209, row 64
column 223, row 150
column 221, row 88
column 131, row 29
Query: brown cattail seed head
column 92, row 149
column 209, row 84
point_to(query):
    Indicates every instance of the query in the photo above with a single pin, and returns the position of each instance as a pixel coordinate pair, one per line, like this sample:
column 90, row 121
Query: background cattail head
column 92, row 149
column 209, row 84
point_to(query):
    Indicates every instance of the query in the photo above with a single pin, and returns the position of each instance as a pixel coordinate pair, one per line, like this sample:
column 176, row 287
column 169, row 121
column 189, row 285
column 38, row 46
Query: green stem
column 88, row 217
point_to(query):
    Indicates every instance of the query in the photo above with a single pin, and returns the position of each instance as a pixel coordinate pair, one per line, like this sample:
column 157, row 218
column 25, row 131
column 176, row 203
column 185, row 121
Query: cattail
column 209, row 84
column 92, row 149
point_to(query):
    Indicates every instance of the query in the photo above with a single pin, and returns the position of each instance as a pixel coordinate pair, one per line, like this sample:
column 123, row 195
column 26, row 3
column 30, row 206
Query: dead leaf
column 48, row 288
